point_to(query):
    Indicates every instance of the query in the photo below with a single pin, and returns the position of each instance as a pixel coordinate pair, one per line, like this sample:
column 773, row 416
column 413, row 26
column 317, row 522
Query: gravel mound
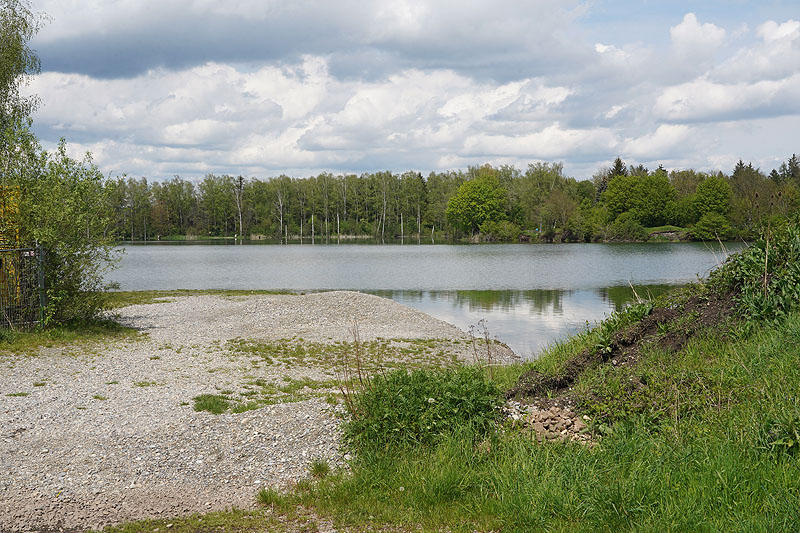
column 97, row 435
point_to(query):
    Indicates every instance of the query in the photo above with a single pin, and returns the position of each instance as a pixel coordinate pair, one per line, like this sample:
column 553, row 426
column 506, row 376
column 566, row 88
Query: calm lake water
column 528, row 295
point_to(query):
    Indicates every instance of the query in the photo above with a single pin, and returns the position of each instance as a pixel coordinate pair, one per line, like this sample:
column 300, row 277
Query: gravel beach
column 93, row 435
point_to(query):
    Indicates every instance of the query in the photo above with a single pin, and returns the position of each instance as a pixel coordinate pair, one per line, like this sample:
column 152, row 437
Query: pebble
column 139, row 453
column 551, row 424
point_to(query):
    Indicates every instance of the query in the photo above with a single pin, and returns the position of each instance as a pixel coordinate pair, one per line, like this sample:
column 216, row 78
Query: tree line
column 483, row 203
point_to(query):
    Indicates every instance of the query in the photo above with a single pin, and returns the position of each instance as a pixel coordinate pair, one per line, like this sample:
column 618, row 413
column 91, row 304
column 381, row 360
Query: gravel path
column 96, row 435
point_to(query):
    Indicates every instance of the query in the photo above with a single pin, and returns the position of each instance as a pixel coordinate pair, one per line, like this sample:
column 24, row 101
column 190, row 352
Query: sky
column 261, row 88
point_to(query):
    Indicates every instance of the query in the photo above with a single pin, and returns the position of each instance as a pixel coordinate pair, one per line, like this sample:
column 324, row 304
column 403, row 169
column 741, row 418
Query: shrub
column 420, row 407
column 502, row 231
column 711, row 227
column 765, row 276
column 626, row 228
column 62, row 208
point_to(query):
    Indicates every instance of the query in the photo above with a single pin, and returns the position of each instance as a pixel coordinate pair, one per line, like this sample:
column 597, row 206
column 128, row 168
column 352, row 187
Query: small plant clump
column 319, row 469
column 403, row 408
column 213, row 403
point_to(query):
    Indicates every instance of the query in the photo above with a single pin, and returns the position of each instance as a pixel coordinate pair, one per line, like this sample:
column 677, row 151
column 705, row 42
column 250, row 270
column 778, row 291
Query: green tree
column 63, row 208
column 650, row 199
column 620, row 195
column 441, row 187
column 711, row 226
column 62, row 204
column 790, row 170
column 618, row 168
column 18, row 63
column 655, row 201
column 217, row 207
column 181, row 204
column 627, row 228
column 477, row 201
column 750, row 202
column 713, row 195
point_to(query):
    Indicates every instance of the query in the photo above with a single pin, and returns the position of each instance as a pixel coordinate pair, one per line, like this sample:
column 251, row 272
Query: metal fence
column 21, row 287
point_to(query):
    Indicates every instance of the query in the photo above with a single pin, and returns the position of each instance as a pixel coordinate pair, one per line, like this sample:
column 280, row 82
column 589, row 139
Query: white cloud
column 704, row 100
column 614, row 111
column 771, row 31
column 690, row 37
column 777, row 56
column 552, row 142
column 263, row 87
column 664, row 142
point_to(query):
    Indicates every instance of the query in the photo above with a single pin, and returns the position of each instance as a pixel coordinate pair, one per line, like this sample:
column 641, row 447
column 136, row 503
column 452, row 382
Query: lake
column 528, row 295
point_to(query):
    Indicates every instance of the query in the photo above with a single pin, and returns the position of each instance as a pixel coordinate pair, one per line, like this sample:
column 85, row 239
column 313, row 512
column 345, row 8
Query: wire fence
column 21, row 287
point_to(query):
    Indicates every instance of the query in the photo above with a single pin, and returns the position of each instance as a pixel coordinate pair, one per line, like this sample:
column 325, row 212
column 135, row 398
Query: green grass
column 259, row 393
column 319, row 469
column 213, row 403
column 19, row 394
column 117, row 299
column 722, row 456
column 376, row 355
column 266, row 520
column 144, row 383
column 29, row 342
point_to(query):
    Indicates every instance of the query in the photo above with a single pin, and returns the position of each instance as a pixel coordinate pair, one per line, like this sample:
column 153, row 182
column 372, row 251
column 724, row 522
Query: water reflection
column 529, row 320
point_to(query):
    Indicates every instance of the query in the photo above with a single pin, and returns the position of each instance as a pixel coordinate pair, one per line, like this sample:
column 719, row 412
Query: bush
column 765, row 276
column 501, row 231
column 626, row 228
column 711, row 227
column 61, row 207
column 420, row 407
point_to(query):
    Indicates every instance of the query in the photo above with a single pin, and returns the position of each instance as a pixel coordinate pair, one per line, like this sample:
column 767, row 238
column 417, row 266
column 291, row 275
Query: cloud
column 267, row 87
column 704, row 100
column 504, row 40
column 690, row 37
column 776, row 56
column 552, row 142
column 666, row 141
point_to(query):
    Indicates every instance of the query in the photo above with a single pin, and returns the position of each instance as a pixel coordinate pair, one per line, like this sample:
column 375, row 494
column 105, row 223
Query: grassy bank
column 716, row 452
column 68, row 334
column 692, row 404
column 117, row 299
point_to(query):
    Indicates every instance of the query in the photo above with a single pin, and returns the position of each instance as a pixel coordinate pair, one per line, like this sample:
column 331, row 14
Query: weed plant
column 213, row 403
column 765, row 276
column 402, row 409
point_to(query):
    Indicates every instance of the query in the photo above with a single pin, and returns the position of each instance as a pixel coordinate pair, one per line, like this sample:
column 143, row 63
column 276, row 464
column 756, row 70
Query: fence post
column 40, row 274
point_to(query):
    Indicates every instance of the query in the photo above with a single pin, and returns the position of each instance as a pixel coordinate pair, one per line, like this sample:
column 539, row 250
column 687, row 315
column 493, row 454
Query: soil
column 668, row 328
